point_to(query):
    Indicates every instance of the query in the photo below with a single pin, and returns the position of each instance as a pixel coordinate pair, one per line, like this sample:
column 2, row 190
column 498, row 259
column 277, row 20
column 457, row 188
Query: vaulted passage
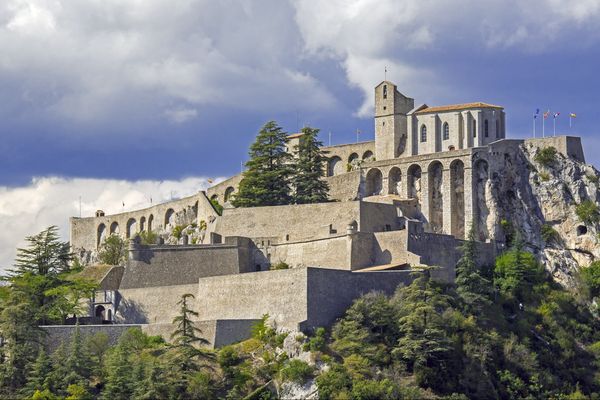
column 394, row 179
column 480, row 176
column 335, row 166
column 457, row 200
column 101, row 234
column 436, row 199
column 131, row 228
column 413, row 180
column 374, row 182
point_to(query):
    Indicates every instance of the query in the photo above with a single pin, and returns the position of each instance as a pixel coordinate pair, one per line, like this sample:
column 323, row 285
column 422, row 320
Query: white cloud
column 51, row 201
column 181, row 115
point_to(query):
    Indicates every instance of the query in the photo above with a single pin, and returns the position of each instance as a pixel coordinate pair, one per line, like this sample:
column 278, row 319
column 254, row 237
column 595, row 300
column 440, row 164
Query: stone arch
column 413, row 181
column 101, row 234
column 114, row 228
column 374, row 182
column 142, row 223
column 228, row 192
column 435, row 173
column 214, row 197
column 169, row 216
column 335, row 166
column 352, row 157
column 99, row 312
column 394, row 179
column 482, row 212
column 367, row 156
column 130, row 227
column 457, row 199
column 150, row 222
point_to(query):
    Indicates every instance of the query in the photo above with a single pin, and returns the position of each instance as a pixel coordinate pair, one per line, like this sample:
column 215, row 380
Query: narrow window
column 385, row 91
column 446, row 131
column 423, row 133
column 486, row 128
column 474, row 129
column 497, row 128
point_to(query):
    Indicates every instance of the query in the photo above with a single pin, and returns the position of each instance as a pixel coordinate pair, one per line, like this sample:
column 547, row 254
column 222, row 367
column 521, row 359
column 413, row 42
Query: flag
column 537, row 112
column 556, row 114
column 573, row 115
column 210, row 180
column 546, row 114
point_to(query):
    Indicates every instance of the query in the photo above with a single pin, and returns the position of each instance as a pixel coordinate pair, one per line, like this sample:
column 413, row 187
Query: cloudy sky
column 120, row 100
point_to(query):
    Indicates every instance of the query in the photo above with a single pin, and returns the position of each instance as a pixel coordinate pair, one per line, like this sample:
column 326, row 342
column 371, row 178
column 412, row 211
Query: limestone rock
column 291, row 390
column 530, row 195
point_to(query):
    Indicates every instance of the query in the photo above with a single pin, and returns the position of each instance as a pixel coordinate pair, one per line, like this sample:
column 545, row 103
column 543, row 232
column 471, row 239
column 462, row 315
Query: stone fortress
column 399, row 203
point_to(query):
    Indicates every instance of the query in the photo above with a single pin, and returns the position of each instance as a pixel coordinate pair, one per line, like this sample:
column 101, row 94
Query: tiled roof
column 457, row 107
column 295, row 135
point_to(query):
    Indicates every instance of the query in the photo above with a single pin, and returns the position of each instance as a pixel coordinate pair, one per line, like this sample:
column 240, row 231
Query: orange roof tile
column 295, row 135
column 456, row 107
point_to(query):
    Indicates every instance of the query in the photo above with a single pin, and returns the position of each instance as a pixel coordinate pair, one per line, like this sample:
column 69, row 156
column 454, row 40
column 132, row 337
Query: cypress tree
column 307, row 181
column 472, row 287
column 266, row 180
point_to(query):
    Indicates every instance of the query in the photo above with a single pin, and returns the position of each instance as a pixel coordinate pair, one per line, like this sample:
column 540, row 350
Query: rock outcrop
column 540, row 200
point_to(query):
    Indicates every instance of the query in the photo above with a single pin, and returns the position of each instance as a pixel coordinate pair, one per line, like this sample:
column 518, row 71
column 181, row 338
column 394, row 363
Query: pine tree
column 185, row 337
column 472, row 287
column 307, row 181
column 119, row 382
column 45, row 255
column 38, row 378
column 266, row 180
column 78, row 362
column 56, row 379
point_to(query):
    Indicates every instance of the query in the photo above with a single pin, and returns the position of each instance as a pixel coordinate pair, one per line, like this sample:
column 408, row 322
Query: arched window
column 486, row 128
column 446, row 131
column 474, row 128
column 497, row 128
column 423, row 133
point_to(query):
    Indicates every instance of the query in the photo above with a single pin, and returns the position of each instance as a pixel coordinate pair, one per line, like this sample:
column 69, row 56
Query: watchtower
column 391, row 108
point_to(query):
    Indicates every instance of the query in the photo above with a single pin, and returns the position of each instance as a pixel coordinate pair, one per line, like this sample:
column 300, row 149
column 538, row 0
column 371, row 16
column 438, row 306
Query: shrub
column 591, row 278
column 113, row 250
column 218, row 208
column 148, row 237
column 546, row 156
column 588, row 212
column 544, row 176
column 279, row 265
column 177, row 231
column 296, row 371
column 593, row 178
column 334, row 383
column 549, row 234
column 317, row 342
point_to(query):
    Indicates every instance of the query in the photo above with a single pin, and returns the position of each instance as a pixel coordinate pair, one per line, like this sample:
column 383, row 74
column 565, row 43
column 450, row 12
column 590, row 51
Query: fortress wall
column 331, row 292
column 569, row 146
column 334, row 252
column 179, row 265
column 344, row 187
column 281, row 294
column 362, row 250
column 344, row 151
column 300, row 222
column 84, row 231
column 390, row 247
column 57, row 334
column 377, row 217
column 152, row 305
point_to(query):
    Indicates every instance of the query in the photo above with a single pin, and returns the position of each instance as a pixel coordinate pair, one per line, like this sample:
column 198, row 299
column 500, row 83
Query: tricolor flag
column 556, row 114
column 546, row 114
column 573, row 115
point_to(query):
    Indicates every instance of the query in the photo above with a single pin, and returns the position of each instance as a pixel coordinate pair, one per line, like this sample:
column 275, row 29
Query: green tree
column 472, row 287
column 308, row 169
column 591, row 278
column 119, row 383
column 113, row 250
column 266, row 180
column 45, row 255
column 423, row 345
column 186, row 337
column 39, row 373
column 78, row 362
column 517, row 271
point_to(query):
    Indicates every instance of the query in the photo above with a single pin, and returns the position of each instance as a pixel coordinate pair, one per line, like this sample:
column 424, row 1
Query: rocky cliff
column 540, row 194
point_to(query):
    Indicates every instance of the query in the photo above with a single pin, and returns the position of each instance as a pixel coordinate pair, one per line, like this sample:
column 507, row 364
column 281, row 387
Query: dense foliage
column 504, row 331
column 113, row 250
column 546, row 156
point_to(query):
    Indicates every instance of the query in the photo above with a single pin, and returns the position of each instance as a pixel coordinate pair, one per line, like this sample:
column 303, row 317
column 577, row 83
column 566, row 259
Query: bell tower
column 391, row 108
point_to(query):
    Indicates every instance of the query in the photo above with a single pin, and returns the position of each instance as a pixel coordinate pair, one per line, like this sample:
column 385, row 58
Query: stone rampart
column 313, row 296
column 569, row 146
column 224, row 190
column 344, row 187
column 152, row 266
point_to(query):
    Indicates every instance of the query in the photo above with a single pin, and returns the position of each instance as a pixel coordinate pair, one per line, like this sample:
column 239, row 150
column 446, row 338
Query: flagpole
column 543, row 125
column 554, row 124
column 534, row 125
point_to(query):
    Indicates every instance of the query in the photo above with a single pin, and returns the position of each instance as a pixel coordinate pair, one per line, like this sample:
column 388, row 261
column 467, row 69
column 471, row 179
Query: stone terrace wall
column 152, row 266
column 569, row 146
column 305, row 297
column 344, row 187
column 57, row 334
column 152, row 305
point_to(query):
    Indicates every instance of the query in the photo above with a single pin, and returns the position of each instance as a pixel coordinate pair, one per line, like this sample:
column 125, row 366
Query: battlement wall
column 569, row 146
column 152, row 266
